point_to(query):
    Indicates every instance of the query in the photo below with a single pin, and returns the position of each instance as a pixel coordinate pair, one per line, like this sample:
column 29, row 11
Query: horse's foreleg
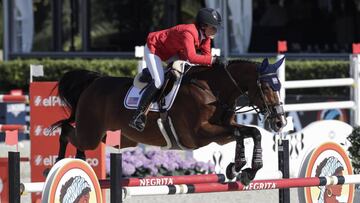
column 248, row 174
column 233, row 169
column 240, row 160
column 257, row 162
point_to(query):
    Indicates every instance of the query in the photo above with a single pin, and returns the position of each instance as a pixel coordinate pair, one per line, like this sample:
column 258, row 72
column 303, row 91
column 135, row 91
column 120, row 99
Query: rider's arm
column 205, row 47
column 189, row 51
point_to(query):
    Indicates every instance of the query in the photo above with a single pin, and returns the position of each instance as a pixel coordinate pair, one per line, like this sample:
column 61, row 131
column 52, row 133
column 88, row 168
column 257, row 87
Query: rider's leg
column 139, row 119
column 156, row 70
column 155, row 67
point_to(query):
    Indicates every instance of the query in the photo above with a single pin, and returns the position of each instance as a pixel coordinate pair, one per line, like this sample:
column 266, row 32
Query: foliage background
column 15, row 74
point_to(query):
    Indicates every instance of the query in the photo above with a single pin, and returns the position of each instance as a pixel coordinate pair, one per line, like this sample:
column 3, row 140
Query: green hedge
column 15, row 74
column 303, row 70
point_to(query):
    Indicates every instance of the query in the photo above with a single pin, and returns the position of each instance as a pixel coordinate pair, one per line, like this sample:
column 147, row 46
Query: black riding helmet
column 208, row 16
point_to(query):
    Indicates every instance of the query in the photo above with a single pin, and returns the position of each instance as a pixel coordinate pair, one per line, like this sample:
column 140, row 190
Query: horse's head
column 269, row 101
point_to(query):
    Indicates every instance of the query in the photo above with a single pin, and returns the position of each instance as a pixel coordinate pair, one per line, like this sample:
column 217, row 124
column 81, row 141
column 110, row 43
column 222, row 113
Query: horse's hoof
column 245, row 178
column 46, row 172
column 229, row 171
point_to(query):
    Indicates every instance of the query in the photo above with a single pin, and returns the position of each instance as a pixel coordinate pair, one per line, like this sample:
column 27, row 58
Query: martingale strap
column 168, row 131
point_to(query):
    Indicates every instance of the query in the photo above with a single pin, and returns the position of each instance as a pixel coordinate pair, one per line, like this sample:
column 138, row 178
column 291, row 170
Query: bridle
column 278, row 108
column 267, row 112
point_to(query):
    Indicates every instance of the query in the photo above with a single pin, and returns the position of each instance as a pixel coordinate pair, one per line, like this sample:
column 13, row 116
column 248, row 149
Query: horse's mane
column 242, row 61
column 201, row 68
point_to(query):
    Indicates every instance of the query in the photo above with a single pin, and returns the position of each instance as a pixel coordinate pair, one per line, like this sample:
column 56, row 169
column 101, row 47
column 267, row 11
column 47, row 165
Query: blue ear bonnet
column 273, row 81
column 267, row 73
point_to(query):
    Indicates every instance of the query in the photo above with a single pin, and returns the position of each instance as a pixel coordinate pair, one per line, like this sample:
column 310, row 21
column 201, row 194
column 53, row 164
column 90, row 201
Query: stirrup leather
column 138, row 122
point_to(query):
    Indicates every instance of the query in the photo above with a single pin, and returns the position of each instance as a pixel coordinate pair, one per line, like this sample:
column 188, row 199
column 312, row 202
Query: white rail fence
column 352, row 82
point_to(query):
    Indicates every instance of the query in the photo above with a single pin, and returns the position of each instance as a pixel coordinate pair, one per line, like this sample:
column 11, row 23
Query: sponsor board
column 51, row 159
column 41, row 130
column 156, row 181
column 71, row 180
column 260, row 186
column 4, row 181
column 46, row 109
column 329, row 159
column 50, row 101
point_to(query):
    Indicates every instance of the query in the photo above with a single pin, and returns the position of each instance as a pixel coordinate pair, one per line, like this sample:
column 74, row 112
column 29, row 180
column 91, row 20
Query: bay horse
column 200, row 115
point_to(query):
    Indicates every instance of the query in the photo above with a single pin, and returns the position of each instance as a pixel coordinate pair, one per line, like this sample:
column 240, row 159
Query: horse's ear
column 262, row 68
column 278, row 63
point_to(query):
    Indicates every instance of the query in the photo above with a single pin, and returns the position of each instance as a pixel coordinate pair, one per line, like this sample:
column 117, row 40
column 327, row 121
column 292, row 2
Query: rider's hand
column 219, row 61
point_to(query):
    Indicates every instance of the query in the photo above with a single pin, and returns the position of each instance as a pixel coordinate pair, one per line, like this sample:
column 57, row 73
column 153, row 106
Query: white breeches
column 154, row 64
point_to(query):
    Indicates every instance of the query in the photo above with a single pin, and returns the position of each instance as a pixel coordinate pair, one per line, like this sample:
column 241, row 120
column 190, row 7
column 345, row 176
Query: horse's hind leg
column 66, row 129
column 80, row 154
column 68, row 134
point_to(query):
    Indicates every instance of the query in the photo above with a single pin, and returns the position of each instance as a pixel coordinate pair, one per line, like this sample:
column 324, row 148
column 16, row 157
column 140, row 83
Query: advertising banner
column 47, row 108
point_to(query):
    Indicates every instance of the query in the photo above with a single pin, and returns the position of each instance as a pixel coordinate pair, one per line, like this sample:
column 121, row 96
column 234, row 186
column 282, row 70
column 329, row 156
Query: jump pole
column 148, row 181
column 14, row 98
column 167, row 180
column 237, row 186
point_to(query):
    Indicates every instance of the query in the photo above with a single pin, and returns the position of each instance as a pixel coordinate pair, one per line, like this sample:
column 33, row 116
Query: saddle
column 166, row 97
column 174, row 76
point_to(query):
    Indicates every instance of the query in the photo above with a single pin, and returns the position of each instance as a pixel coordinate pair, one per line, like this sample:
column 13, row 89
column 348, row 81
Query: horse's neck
column 238, row 79
column 218, row 81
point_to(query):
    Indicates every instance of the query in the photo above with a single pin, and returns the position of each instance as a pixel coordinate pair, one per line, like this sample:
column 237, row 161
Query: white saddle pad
column 133, row 95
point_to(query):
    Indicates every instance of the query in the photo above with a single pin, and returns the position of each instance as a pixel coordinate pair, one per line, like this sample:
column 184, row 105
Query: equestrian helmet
column 208, row 16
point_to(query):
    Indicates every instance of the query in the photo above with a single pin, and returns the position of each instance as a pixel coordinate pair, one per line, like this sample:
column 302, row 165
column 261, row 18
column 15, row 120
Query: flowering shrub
column 137, row 163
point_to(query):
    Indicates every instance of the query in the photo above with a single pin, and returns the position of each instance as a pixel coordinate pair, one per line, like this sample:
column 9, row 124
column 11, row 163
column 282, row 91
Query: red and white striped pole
column 14, row 98
column 237, row 186
column 11, row 127
column 167, row 180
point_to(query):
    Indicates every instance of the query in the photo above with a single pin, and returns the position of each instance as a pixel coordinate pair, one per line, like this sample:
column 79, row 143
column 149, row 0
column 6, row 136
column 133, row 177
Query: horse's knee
column 246, row 132
column 256, row 134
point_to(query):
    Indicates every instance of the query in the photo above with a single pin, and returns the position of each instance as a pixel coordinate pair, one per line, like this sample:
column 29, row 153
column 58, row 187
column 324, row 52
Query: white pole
column 335, row 82
column 32, row 187
column 356, row 89
column 281, row 74
column 31, row 74
column 139, row 53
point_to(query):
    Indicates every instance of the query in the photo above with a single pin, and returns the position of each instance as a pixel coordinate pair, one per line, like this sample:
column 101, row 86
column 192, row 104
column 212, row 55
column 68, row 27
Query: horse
column 203, row 111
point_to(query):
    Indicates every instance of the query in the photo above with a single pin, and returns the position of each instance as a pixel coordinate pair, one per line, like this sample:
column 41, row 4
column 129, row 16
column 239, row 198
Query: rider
column 189, row 42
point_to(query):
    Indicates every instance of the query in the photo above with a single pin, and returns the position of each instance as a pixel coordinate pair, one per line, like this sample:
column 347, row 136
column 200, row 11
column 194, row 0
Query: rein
column 241, row 93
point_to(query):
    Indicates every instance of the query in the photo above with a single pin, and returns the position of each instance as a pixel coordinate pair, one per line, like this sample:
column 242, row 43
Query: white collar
column 202, row 36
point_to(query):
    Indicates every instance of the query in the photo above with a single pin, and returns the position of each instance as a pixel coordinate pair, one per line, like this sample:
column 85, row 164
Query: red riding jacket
column 182, row 40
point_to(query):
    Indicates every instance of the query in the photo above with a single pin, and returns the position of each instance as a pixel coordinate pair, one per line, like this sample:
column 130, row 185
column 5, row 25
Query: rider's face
column 210, row 31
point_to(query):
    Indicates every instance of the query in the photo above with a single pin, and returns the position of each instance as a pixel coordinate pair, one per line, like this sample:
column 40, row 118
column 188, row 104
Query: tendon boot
column 138, row 121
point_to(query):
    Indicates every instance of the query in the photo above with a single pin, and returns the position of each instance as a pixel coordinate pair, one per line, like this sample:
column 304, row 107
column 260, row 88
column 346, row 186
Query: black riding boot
column 138, row 121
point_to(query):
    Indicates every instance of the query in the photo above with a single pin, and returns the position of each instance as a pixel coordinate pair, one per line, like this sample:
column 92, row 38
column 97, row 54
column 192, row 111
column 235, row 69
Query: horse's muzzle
column 277, row 119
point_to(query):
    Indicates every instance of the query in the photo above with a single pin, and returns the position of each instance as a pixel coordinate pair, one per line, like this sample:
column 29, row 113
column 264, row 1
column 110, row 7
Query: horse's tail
column 70, row 87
